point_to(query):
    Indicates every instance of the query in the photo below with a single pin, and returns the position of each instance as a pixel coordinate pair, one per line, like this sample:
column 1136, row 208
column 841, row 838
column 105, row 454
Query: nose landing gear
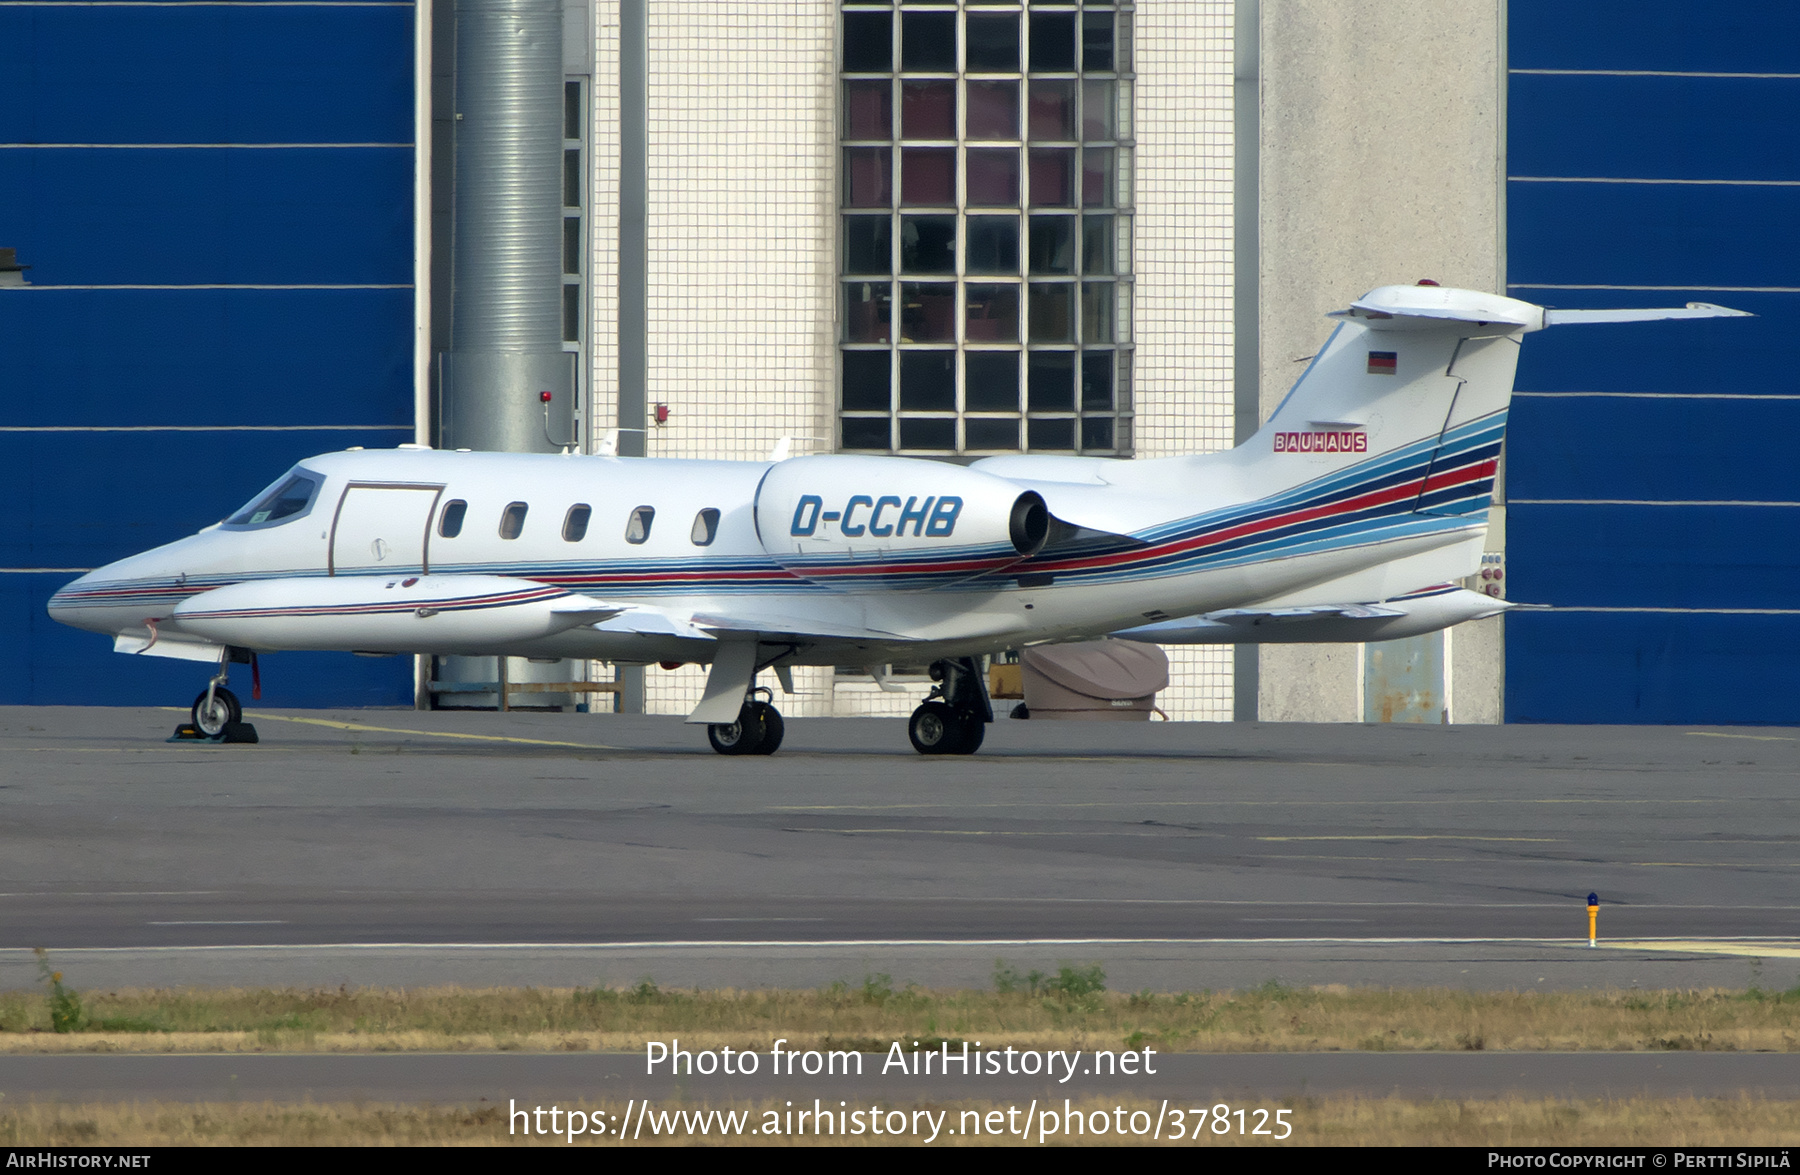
column 215, row 710
column 217, row 715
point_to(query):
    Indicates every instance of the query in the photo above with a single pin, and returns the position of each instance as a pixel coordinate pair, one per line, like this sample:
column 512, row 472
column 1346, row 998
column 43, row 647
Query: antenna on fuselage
column 784, row 447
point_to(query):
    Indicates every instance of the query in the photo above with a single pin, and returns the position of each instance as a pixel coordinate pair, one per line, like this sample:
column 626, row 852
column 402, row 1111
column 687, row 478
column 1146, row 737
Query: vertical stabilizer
column 1412, row 390
column 1413, row 385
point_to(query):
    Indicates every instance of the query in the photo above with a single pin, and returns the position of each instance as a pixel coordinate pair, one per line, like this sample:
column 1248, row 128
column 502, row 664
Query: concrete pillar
column 1382, row 161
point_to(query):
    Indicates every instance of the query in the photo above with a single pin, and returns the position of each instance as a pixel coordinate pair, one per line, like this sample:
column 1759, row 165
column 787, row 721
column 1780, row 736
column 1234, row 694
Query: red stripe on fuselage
column 1366, row 501
column 1456, row 477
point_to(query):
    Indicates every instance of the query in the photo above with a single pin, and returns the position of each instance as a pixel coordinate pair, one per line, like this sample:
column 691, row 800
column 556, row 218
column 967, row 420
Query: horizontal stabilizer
column 1691, row 310
column 1427, row 307
column 1391, row 308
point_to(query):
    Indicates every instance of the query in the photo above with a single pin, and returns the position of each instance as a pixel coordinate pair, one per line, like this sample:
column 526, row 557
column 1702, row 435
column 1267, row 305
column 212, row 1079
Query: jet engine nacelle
column 863, row 522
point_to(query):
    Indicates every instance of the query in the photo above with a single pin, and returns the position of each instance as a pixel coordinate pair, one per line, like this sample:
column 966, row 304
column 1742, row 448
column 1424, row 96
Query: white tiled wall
column 1184, row 270
column 742, row 224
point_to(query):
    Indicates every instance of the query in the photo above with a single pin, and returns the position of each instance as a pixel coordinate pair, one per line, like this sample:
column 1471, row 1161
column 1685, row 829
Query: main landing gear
column 757, row 731
column 953, row 719
column 217, row 714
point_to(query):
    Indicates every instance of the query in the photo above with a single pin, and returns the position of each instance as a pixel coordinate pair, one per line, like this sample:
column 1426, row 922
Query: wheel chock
column 234, row 732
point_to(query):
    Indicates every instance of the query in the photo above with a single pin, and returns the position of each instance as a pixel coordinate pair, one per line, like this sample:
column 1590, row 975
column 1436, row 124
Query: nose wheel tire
column 757, row 731
column 211, row 720
column 936, row 729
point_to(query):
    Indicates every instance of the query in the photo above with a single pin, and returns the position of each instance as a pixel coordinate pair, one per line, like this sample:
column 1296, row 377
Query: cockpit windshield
column 286, row 500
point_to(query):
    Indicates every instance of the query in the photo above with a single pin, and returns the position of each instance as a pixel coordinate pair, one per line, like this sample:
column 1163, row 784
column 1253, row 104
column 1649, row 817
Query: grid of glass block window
column 985, row 218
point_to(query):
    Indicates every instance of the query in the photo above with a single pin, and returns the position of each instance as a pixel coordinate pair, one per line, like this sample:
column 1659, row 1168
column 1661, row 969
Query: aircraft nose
column 75, row 586
column 74, row 599
column 100, row 601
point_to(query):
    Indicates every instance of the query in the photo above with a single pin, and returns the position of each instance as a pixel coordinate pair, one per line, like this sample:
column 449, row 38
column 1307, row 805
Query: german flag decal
column 1382, row 362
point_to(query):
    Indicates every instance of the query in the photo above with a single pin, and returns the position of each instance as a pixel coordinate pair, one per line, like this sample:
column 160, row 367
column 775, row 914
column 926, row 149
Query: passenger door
column 383, row 528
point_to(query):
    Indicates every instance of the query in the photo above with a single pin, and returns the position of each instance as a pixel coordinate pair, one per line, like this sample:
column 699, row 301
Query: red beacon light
column 544, row 397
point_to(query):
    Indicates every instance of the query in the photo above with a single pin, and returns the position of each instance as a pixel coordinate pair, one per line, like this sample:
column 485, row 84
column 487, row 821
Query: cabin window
column 513, row 520
column 289, row 499
column 706, row 527
column 576, row 522
column 638, row 529
column 450, row 525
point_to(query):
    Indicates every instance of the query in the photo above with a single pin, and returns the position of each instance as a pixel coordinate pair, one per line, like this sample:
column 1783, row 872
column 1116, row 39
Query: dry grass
column 1341, row 1121
column 870, row 1016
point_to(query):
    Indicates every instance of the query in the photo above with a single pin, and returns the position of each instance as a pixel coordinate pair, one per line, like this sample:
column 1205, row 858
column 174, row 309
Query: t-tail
column 1411, row 390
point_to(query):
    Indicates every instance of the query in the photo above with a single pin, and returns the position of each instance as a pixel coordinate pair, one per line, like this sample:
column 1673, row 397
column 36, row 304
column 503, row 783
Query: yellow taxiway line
column 1759, row 950
column 491, row 738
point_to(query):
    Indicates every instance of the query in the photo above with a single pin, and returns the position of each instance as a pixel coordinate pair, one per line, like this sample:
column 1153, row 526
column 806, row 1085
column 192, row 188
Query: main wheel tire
column 773, row 728
column 743, row 737
column 224, row 710
column 936, row 729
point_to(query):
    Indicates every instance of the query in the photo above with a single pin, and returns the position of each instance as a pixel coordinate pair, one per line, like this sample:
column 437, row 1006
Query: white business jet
column 1348, row 517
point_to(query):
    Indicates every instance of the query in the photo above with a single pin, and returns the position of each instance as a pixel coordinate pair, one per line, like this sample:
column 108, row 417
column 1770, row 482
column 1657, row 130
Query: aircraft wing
column 1303, row 612
column 642, row 620
column 587, row 610
column 727, row 627
column 1402, row 616
column 647, row 620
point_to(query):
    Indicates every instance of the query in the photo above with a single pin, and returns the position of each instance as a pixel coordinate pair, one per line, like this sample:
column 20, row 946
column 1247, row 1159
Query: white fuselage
column 382, row 515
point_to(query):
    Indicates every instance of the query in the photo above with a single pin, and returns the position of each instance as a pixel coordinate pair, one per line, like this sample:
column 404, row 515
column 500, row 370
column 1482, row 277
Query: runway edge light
column 1593, row 919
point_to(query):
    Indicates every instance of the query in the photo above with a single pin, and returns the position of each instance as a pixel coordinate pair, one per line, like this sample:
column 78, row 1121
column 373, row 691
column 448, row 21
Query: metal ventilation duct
column 506, row 267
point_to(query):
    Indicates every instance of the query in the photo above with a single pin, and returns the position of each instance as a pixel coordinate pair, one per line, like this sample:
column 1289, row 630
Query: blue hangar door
column 215, row 202
column 1653, row 491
